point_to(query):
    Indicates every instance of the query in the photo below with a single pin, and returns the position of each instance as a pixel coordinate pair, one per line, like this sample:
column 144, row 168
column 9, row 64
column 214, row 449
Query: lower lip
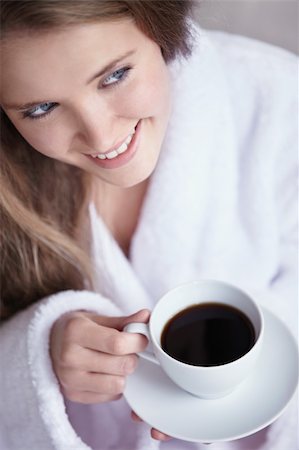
column 123, row 158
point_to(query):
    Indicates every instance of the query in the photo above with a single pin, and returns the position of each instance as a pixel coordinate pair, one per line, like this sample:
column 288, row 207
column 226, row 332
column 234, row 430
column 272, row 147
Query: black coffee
column 208, row 334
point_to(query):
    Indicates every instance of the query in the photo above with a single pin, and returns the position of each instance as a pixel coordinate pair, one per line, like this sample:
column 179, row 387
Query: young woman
column 138, row 153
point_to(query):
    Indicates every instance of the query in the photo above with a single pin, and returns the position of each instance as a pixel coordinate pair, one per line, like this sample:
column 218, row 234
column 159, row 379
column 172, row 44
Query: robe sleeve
column 32, row 409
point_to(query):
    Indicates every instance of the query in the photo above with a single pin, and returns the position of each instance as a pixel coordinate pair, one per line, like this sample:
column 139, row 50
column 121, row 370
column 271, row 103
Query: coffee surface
column 208, row 334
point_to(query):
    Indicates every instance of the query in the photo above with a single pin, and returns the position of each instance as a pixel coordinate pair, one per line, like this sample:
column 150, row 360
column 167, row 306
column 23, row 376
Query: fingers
column 156, row 434
column 93, row 361
column 120, row 322
column 103, row 333
column 159, row 436
column 110, row 385
column 91, row 356
column 112, row 341
column 90, row 397
column 135, row 417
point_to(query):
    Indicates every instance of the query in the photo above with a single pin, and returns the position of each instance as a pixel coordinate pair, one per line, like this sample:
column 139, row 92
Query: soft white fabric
column 221, row 204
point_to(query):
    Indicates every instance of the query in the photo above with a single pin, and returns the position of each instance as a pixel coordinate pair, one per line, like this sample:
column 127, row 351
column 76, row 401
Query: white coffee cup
column 203, row 381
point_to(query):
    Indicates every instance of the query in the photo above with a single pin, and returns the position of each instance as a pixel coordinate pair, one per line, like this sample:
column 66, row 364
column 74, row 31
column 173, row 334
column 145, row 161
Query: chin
column 134, row 181
column 136, row 175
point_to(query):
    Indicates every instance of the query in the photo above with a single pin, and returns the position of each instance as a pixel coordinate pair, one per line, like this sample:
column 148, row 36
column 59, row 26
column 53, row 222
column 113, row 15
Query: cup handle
column 142, row 328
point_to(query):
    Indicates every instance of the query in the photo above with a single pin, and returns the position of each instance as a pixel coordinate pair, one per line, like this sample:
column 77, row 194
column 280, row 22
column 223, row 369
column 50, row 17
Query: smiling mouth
column 118, row 151
column 120, row 155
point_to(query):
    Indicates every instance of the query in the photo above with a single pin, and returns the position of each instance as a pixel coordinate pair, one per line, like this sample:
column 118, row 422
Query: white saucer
column 256, row 403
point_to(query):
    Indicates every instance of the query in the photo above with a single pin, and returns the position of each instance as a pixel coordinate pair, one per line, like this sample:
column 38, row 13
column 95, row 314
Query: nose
column 96, row 127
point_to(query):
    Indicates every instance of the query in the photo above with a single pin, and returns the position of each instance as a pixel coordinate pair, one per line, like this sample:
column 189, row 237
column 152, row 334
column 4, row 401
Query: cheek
column 44, row 140
column 154, row 99
column 149, row 96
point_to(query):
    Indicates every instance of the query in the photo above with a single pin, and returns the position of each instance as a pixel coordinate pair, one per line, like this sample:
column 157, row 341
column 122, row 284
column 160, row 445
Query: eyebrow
column 107, row 68
column 111, row 65
column 23, row 106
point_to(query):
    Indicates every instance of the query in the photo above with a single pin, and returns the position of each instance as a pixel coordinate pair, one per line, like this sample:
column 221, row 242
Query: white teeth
column 122, row 148
column 114, row 153
column 129, row 138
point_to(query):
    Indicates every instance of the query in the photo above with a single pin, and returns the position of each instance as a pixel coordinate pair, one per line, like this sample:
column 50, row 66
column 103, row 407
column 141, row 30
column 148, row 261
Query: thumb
column 140, row 316
column 120, row 322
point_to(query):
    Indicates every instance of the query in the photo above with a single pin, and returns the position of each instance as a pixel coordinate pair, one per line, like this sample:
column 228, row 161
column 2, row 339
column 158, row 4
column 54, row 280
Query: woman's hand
column 91, row 356
column 156, row 434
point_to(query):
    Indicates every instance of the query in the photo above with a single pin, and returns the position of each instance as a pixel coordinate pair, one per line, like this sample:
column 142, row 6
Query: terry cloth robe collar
column 160, row 255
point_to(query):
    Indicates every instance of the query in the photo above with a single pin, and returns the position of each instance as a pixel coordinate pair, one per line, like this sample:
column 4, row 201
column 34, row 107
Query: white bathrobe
column 221, row 204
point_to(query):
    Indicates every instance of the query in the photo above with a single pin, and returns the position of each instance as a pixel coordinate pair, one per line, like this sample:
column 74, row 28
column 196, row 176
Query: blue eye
column 40, row 110
column 116, row 76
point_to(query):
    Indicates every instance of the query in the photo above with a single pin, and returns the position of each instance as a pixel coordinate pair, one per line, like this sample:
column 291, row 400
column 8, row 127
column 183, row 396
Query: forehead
column 53, row 56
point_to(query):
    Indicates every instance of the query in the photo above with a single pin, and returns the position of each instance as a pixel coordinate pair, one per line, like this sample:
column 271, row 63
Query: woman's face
column 96, row 96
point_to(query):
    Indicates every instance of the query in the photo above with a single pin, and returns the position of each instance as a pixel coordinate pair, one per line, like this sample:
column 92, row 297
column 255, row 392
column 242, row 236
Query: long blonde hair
column 43, row 201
